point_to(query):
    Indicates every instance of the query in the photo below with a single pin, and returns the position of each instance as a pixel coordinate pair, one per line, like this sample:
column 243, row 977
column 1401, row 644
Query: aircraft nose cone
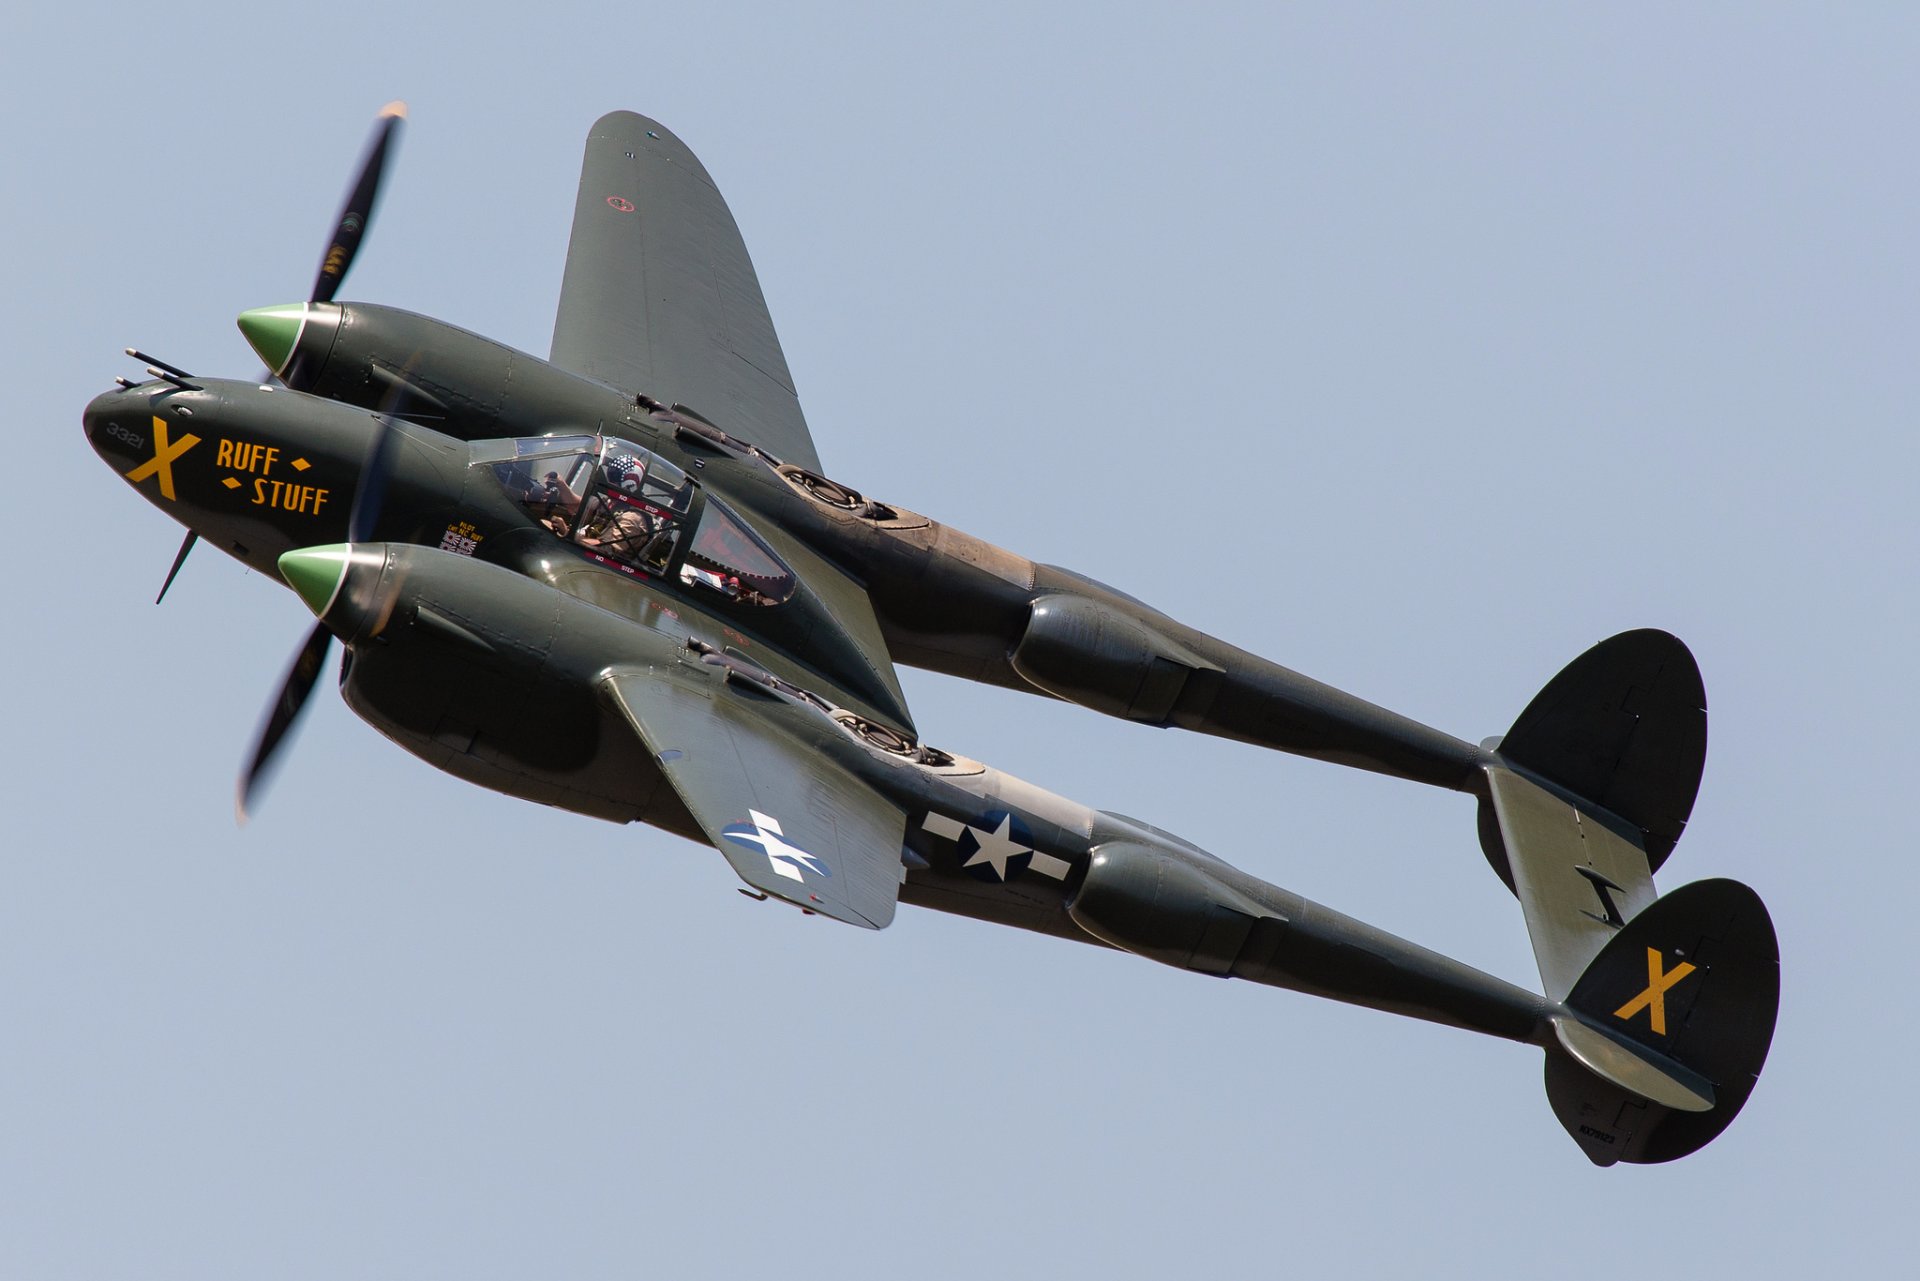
column 115, row 424
column 316, row 573
column 97, row 412
column 274, row 332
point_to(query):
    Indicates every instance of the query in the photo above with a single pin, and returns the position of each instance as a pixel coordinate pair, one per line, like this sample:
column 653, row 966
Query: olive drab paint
column 715, row 657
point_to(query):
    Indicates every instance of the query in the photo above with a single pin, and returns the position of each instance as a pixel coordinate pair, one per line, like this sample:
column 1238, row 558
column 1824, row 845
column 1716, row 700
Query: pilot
column 624, row 533
column 627, row 527
column 563, row 505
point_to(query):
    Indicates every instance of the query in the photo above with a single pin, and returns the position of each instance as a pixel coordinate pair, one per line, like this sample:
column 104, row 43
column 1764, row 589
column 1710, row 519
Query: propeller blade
column 371, row 492
column 281, row 716
column 364, row 514
column 180, row 558
column 358, row 211
column 368, row 495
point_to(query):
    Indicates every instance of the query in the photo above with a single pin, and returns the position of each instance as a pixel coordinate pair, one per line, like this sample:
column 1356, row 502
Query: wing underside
column 660, row 297
column 790, row 822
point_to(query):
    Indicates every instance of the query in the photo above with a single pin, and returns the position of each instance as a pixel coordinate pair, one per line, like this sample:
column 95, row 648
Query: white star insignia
column 996, row 848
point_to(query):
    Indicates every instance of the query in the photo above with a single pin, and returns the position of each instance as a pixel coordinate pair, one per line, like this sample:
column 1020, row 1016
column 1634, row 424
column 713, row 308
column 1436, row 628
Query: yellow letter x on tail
column 161, row 464
column 1654, row 999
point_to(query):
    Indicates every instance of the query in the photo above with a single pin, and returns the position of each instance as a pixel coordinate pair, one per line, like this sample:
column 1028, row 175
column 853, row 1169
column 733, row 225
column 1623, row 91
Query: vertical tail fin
column 1667, row 1030
column 1588, row 791
column 1667, row 1004
column 1624, row 728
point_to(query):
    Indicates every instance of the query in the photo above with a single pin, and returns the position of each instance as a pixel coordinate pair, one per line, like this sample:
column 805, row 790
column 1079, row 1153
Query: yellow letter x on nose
column 161, row 464
column 1654, row 999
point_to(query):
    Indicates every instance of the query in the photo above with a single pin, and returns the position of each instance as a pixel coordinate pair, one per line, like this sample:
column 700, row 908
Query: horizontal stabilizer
column 1578, row 880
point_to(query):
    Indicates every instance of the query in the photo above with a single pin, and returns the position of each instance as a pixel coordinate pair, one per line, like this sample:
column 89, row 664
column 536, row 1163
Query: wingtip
column 396, row 108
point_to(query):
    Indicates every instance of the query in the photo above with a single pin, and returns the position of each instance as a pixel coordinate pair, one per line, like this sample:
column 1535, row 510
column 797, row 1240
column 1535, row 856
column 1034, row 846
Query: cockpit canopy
column 629, row 508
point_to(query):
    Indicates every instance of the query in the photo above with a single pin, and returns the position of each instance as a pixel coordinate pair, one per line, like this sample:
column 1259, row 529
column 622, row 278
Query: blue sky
column 1415, row 351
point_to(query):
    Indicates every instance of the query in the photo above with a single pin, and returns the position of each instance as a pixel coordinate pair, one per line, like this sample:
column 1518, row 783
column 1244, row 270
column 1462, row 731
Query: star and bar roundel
column 997, row 848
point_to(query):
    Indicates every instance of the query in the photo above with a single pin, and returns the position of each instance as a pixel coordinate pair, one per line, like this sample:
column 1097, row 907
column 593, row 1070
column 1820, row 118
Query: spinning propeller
column 269, row 325
column 302, row 675
column 358, row 211
column 349, row 231
column 274, row 332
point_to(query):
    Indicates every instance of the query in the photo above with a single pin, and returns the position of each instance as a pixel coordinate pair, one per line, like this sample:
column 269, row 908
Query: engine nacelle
column 469, row 386
column 1160, row 906
column 489, row 675
column 1090, row 653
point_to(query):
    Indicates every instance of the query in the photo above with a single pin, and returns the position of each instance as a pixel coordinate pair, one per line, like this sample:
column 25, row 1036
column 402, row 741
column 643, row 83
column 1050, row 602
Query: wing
column 861, row 663
column 790, row 822
column 660, row 297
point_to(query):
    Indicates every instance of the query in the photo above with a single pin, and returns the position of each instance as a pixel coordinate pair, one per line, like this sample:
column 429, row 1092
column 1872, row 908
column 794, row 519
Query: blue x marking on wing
column 785, row 858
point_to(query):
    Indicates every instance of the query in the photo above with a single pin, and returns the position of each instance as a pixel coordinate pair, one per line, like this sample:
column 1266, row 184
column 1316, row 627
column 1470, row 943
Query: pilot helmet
column 623, row 471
